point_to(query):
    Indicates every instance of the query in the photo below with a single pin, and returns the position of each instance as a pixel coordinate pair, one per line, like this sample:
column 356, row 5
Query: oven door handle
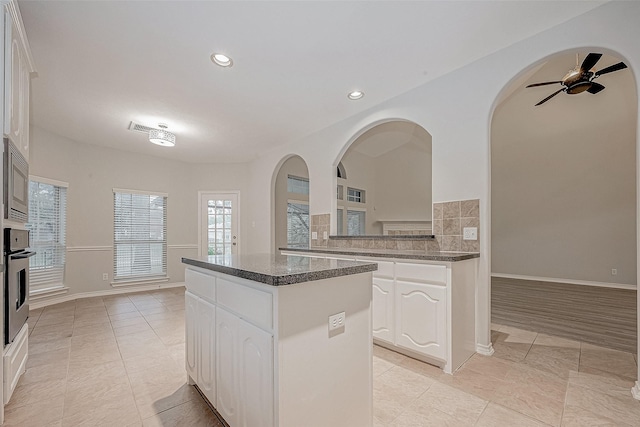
column 22, row 255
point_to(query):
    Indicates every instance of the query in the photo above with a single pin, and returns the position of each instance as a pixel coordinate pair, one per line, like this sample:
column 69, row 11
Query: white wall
column 403, row 191
column 92, row 172
column 564, row 184
column 457, row 110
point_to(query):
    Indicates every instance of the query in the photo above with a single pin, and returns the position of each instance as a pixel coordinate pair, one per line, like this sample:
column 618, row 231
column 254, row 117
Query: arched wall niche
column 388, row 165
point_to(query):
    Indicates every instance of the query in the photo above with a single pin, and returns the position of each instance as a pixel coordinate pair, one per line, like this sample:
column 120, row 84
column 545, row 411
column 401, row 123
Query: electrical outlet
column 470, row 233
column 105, row 276
column 336, row 321
column 614, row 271
column 314, row 235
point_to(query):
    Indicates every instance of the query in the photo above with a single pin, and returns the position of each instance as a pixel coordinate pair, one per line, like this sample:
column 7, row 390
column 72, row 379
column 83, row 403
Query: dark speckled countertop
column 277, row 270
column 391, row 253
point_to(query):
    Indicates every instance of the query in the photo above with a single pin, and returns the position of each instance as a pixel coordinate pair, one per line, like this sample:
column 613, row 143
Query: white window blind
column 140, row 235
column 356, row 223
column 297, row 185
column 47, row 236
column 297, row 225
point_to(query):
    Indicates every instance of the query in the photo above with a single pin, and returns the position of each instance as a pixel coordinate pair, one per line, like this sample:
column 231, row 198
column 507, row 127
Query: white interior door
column 219, row 218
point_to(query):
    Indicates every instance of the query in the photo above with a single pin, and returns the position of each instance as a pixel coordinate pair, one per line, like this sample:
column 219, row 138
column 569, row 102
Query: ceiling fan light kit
column 581, row 78
column 162, row 136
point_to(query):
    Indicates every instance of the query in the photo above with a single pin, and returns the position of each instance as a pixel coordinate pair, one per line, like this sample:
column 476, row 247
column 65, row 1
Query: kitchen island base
column 263, row 355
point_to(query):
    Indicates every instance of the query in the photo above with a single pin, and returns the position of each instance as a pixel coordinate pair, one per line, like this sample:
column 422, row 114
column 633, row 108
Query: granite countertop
column 277, row 270
column 392, row 253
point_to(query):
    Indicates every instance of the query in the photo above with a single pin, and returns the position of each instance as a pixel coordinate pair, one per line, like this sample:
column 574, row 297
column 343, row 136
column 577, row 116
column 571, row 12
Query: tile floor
column 119, row 361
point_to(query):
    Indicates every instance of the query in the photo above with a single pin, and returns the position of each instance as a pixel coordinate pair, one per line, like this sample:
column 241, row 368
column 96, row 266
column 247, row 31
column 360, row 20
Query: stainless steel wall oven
column 16, row 281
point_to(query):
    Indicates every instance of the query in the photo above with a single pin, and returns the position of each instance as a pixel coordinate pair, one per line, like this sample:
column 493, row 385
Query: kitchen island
column 276, row 340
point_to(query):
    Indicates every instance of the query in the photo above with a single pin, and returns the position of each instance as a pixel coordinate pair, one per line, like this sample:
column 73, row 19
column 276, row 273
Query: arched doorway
column 563, row 204
column 291, row 205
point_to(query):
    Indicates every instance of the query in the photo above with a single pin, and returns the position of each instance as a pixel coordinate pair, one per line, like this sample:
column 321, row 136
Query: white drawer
column 250, row 304
column 385, row 268
column 422, row 273
column 200, row 284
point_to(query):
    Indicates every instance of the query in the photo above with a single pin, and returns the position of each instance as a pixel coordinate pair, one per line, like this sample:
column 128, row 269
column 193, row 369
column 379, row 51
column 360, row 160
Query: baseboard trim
column 635, row 391
column 569, row 281
column 70, row 297
column 485, row 350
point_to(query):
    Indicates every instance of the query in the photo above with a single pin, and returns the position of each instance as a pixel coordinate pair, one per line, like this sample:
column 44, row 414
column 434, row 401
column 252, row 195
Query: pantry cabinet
column 18, row 68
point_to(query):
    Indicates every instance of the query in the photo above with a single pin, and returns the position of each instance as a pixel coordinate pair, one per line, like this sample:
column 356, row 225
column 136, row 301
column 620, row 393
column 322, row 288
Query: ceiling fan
column 581, row 78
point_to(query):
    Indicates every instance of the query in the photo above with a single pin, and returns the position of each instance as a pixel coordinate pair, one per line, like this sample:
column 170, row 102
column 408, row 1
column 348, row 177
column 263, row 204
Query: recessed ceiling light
column 221, row 60
column 356, row 94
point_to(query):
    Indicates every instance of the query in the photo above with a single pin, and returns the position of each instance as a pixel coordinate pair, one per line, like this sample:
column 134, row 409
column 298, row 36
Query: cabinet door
column 421, row 318
column 206, row 360
column 191, row 340
column 227, row 366
column 255, row 376
column 383, row 309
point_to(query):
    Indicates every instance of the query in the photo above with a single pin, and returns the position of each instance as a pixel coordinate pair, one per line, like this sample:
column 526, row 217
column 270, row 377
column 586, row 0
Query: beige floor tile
column 131, row 329
column 127, row 315
column 513, row 351
column 525, row 379
column 89, row 302
column 464, row 407
column 163, row 397
column 394, row 390
column 422, row 368
column 380, row 366
column 45, row 329
column 35, row 392
column 602, row 381
column 55, row 319
column 177, row 353
column 509, row 334
column 41, row 373
column 159, row 309
column 579, row 417
column 171, row 335
column 191, row 413
column 411, row 418
column 128, row 322
column 569, row 354
column 378, row 423
column 121, row 308
column 41, row 347
column 88, row 318
column 118, row 412
column 37, row 414
column 92, row 329
column 605, row 359
column 95, row 340
column 606, row 405
column 475, row 382
column 557, row 366
column 58, row 358
column 495, row 415
column 97, row 354
column 90, row 372
column 541, row 407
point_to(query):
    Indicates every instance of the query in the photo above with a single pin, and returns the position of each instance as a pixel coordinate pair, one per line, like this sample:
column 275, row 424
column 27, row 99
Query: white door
column 255, row 376
column 219, row 219
column 207, row 349
column 421, row 318
column 383, row 309
column 191, row 350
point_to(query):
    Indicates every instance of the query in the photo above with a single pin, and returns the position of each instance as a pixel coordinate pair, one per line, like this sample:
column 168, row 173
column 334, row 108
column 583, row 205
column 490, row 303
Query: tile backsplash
column 449, row 221
column 320, row 225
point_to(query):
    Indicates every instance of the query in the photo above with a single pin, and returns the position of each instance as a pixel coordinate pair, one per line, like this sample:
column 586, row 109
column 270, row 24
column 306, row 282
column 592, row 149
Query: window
column 355, row 195
column 355, row 223
column 297, row 185
column 140, row 235
column 340, row 192
column 340, row 171
column 47, row 237
column 297, row 224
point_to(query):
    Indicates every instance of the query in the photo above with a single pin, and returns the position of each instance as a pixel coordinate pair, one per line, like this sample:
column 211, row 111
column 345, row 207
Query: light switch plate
column 314, row 235
column 470, row 233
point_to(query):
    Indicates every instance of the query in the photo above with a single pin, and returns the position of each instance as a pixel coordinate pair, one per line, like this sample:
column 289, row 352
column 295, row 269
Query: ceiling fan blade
column 549, row 97
column 543, row 84
column 611, row 69
column 590, row 61
column 595, row 88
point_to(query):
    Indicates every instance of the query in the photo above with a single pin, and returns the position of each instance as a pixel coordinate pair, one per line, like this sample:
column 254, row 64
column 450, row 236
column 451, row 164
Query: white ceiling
column 103, row 64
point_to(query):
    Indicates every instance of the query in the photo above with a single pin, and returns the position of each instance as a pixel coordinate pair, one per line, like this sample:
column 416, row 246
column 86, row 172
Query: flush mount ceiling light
column 221, row 60
column 162, row 136
column 356, row 94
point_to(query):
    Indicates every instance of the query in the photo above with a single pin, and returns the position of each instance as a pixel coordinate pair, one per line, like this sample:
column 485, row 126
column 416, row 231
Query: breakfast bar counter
column 276, row 340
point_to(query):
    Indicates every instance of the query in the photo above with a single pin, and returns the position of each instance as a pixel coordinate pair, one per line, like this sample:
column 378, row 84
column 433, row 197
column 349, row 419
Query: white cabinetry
column 425, row 309
column 200, row 344
column 421, row 318
column 18, row 66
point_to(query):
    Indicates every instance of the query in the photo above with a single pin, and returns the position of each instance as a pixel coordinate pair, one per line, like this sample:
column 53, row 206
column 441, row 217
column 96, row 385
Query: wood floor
column 601, row 316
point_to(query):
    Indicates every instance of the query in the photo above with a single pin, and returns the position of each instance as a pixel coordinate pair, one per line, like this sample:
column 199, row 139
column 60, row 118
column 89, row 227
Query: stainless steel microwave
column 16, row 183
